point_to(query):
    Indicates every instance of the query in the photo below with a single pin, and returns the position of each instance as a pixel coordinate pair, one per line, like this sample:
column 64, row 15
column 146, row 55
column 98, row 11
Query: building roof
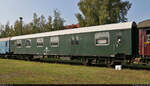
column 71, row 26
column 116, row 26
column 144, row 24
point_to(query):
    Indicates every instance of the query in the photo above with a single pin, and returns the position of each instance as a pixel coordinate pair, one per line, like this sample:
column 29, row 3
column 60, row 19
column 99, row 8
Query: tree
column 17, row 26
column 36, row 23
column 58, row 22
column 98, row 12
column 1, row 29
column 6, row 30
column 49, row 26
column 42, row 24
column 27, row 28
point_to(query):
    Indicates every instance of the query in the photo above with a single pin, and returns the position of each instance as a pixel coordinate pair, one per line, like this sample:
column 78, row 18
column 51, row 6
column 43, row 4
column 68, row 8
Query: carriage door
column 118, row 41
column 146, row 43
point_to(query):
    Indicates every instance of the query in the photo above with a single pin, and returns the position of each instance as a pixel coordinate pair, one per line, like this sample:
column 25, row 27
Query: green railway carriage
column 97, row 41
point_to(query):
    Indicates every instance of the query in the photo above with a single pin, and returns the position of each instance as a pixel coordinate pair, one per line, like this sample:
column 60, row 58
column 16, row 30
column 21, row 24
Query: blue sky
column 139, row 10
column 11, row 10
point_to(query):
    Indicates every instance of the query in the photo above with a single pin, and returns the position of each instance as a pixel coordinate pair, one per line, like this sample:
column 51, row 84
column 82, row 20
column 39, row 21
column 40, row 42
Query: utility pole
column 21, row 25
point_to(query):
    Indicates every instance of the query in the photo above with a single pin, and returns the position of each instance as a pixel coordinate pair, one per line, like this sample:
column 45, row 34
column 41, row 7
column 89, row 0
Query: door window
column 119, row 37
column 6, row 44
column 75, row 40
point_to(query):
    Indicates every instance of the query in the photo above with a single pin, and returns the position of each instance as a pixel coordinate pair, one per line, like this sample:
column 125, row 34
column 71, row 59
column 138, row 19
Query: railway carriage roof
column 144, row 24
column 4, row 39
column 117, row 26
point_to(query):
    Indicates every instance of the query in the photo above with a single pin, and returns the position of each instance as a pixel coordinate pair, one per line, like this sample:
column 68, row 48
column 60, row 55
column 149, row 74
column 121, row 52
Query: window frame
column 28, row 46
column 40, row 42
column 17, row 42
column 147, row 38
column 108, row 36
column 58, row 40
column 75, row 40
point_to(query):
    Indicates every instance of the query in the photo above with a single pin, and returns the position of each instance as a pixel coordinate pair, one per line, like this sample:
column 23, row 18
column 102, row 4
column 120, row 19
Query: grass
column 22, row 72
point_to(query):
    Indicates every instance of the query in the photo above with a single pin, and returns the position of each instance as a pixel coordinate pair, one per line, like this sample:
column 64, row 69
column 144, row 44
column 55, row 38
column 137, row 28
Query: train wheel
column 87, row 61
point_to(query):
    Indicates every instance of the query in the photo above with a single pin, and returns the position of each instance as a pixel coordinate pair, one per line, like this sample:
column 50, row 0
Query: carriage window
column 147, row 32
column 28, row 43
column 40, row 42
column 148, row 38
column 18, row 43
column 102, row 38
column 75, row 40
column 54, row 41
column 148, row 35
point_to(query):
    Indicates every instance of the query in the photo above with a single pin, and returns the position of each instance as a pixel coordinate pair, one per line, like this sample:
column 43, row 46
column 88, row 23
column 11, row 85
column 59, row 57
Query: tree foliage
column 98, row 12
column 58, row 21
column 49, row 26
column 37, row 25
